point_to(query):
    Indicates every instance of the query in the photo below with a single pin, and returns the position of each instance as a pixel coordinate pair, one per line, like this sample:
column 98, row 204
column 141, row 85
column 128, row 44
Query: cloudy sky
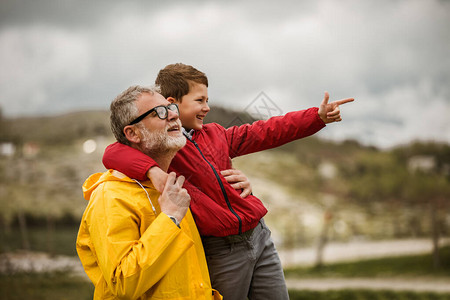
column 392, row 56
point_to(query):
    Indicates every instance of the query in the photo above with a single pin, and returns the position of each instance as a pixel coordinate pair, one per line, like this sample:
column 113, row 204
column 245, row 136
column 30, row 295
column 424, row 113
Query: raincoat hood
column 93, row 181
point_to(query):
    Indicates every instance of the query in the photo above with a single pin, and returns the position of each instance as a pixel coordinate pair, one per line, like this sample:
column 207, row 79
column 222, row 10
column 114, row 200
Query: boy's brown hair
column 175, row 80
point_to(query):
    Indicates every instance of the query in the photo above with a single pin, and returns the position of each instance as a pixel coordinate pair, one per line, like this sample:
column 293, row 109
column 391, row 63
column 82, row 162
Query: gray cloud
column 391, row 56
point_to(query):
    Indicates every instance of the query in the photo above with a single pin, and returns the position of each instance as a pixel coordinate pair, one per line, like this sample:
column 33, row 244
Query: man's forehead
column 147, row 101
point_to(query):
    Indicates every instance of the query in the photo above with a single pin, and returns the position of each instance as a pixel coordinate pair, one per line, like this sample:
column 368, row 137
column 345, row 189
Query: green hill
column 361, row 191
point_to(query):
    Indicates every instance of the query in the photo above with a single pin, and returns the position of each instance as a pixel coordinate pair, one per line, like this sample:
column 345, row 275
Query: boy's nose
column 206, row 107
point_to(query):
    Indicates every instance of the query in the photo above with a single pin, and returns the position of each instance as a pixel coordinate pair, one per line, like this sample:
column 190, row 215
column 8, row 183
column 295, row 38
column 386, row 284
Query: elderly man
column 133, row 242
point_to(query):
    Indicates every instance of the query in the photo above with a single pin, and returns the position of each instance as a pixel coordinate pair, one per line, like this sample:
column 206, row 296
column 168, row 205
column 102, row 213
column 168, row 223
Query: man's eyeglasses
column 161, row 111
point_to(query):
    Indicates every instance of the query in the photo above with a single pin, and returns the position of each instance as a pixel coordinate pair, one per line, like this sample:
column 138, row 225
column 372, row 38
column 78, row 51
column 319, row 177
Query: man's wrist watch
column 174, row 220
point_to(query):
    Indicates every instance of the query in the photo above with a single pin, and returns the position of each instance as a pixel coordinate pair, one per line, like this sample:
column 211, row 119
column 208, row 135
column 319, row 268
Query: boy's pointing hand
column 330, row 112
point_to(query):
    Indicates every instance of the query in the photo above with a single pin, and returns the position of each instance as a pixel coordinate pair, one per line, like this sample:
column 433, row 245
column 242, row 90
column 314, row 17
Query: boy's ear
column 132, row 134
column 172, row 100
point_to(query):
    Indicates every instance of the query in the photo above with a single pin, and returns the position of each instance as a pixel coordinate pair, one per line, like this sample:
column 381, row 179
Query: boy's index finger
column 326, row 98
column 343, row 101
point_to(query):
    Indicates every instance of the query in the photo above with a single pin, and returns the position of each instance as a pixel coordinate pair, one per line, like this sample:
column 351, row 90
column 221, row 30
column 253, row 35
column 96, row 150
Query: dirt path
column 364, row 250
column 353, row 251
column 24, row 261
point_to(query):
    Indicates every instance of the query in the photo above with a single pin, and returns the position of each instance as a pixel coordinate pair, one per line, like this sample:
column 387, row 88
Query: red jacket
column 217, row 207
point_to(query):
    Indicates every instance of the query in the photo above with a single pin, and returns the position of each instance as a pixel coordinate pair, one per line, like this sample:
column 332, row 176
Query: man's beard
column 157, row 143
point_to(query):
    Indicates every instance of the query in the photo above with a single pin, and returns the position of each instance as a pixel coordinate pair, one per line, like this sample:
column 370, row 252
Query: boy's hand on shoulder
column 238, row 181
column 330, row 112
column 158, row 178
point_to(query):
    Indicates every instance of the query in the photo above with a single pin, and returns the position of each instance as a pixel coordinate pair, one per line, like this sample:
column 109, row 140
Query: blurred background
column 364, row 201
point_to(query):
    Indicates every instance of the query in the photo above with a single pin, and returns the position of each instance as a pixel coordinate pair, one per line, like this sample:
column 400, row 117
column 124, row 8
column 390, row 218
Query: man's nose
column 172, row 115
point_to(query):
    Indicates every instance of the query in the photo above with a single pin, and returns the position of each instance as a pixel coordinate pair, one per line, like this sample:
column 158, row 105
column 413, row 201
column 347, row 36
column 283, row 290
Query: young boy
column 241, row 256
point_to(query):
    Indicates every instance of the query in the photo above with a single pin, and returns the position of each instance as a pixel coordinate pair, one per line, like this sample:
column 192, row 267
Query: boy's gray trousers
column 246, row 265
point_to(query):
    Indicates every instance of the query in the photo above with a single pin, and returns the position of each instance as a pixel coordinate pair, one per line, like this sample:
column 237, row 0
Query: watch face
column 174, row 220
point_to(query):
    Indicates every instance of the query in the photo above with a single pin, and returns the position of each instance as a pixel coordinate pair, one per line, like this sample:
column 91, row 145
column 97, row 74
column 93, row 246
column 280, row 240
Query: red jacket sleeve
column 274, row 132
column 127, row 160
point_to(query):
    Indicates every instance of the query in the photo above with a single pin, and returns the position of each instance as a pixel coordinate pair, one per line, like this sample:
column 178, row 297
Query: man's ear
column 132, row 134
column 172, row 100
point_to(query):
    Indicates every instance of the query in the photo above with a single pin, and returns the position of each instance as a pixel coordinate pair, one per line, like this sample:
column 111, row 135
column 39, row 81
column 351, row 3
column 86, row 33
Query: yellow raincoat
column 130, row 250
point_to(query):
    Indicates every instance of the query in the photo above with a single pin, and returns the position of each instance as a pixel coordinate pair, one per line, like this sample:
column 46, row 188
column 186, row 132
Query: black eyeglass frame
column 165, row 112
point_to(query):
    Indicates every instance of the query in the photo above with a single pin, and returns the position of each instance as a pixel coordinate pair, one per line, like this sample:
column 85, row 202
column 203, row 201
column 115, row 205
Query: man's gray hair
column 123, row 109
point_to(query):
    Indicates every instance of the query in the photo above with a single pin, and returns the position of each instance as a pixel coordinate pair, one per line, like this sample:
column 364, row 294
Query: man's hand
column 158, row 178
column 330, row 112
column 174, row 200
column 238, row 181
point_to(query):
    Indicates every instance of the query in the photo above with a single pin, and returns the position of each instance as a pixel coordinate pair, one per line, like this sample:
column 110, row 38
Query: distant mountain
column 59, row 129
column 68, row 127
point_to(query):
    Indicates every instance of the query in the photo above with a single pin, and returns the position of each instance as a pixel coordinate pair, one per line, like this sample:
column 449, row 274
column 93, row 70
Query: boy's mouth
column 201, row 117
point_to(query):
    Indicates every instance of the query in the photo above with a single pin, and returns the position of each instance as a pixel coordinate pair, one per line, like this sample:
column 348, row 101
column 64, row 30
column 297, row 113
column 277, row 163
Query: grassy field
column 390, row 267
column 364, row 295
column 67, row 287
column 61, row 242
column 405, row 266
column 64, row 287
column 58, row 286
